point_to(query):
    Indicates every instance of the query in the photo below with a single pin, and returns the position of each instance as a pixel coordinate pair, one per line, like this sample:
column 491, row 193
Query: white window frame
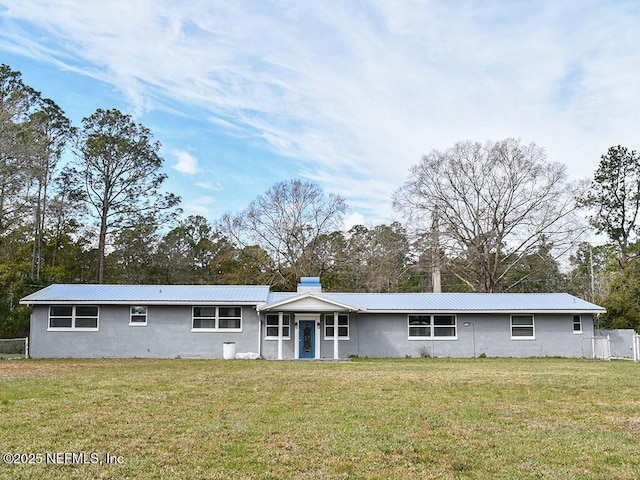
column 341, row 316
column 432, row 327
column 578, row 322
column 132, row 315
column 532, row 326
column 74, row 317
column 216, row 318
column 286, row 324
column 427, row 325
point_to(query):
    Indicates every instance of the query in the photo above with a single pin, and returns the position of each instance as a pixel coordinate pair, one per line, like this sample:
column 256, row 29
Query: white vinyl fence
column 601, row 348
column 623, row 343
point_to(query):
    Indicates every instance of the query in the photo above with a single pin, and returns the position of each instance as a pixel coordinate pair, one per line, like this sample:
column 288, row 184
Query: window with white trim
column 577, row 324
column 272, row 320
column 343, row 326
column 424, row 326
column 214, row 319
column 419, row 326
column 444, row 325
column 72, row 317
column 522, row 327
column 138, row 315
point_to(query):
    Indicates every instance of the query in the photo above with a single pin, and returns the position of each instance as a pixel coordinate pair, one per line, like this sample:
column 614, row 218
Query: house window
column 343, row 326
column 69, row 317
column 577, row 324
column 272, row 320
column 229, row 318
column 208, row 319
column 444, row 326
column 138, row 315
column 522, row 327
column 419, row 326
column 432, row 326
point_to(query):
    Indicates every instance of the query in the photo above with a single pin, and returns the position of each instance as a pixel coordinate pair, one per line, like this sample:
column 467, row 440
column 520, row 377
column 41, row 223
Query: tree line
column 492, row 217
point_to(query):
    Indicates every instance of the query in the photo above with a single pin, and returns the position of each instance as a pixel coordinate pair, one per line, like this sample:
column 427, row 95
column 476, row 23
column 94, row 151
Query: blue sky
column 349, row 94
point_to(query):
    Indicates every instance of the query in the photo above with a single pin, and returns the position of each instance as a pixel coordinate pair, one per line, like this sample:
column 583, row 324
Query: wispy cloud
column 186, row 163
column 209, row 185
column 199, row 206
column 358, row 91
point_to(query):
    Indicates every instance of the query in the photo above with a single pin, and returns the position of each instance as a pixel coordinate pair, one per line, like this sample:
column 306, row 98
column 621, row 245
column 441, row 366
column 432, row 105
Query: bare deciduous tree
column 496, row 203
column 286, row 221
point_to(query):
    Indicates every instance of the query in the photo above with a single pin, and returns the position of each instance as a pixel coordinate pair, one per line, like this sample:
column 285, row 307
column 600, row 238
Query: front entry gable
column 307, row 302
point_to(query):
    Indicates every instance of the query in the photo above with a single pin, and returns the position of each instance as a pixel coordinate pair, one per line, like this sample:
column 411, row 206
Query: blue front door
column 307, row 339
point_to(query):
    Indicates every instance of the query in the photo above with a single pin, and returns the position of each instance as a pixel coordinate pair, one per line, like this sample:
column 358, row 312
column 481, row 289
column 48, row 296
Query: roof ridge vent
column 309, row 284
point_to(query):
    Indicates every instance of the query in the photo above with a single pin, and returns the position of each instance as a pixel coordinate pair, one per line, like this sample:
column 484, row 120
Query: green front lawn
column 386, row 419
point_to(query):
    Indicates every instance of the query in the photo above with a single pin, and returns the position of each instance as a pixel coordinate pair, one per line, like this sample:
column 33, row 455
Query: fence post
column 26, row 347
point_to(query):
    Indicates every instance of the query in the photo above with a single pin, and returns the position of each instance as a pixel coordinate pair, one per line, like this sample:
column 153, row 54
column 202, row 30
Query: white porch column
column 335, row 336
column 280, row 320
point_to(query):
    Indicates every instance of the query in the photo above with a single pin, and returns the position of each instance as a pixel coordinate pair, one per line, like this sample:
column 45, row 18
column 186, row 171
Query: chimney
column 310, row 284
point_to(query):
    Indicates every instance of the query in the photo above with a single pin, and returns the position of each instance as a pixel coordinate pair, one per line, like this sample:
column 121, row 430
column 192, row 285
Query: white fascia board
column 452, row 312
column 138, row 302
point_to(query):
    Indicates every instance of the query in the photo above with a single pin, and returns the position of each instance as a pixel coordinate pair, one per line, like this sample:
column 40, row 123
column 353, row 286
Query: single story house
column 171, row 321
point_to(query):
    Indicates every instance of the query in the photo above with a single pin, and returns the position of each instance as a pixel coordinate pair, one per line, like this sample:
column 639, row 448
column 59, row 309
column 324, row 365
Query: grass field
column 385, row 419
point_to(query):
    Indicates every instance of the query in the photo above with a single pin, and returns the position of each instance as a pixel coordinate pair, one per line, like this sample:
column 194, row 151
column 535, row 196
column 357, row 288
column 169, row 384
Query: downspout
column 259, row 333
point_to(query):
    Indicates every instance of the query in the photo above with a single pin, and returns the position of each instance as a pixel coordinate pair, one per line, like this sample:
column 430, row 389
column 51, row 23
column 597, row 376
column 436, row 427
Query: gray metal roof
column 451, row 302
column 149, row 294
column 260, row 295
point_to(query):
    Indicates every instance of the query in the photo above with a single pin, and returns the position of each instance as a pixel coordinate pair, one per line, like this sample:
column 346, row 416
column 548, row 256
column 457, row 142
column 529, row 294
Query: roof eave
column 138, row 302
column 465, row 311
